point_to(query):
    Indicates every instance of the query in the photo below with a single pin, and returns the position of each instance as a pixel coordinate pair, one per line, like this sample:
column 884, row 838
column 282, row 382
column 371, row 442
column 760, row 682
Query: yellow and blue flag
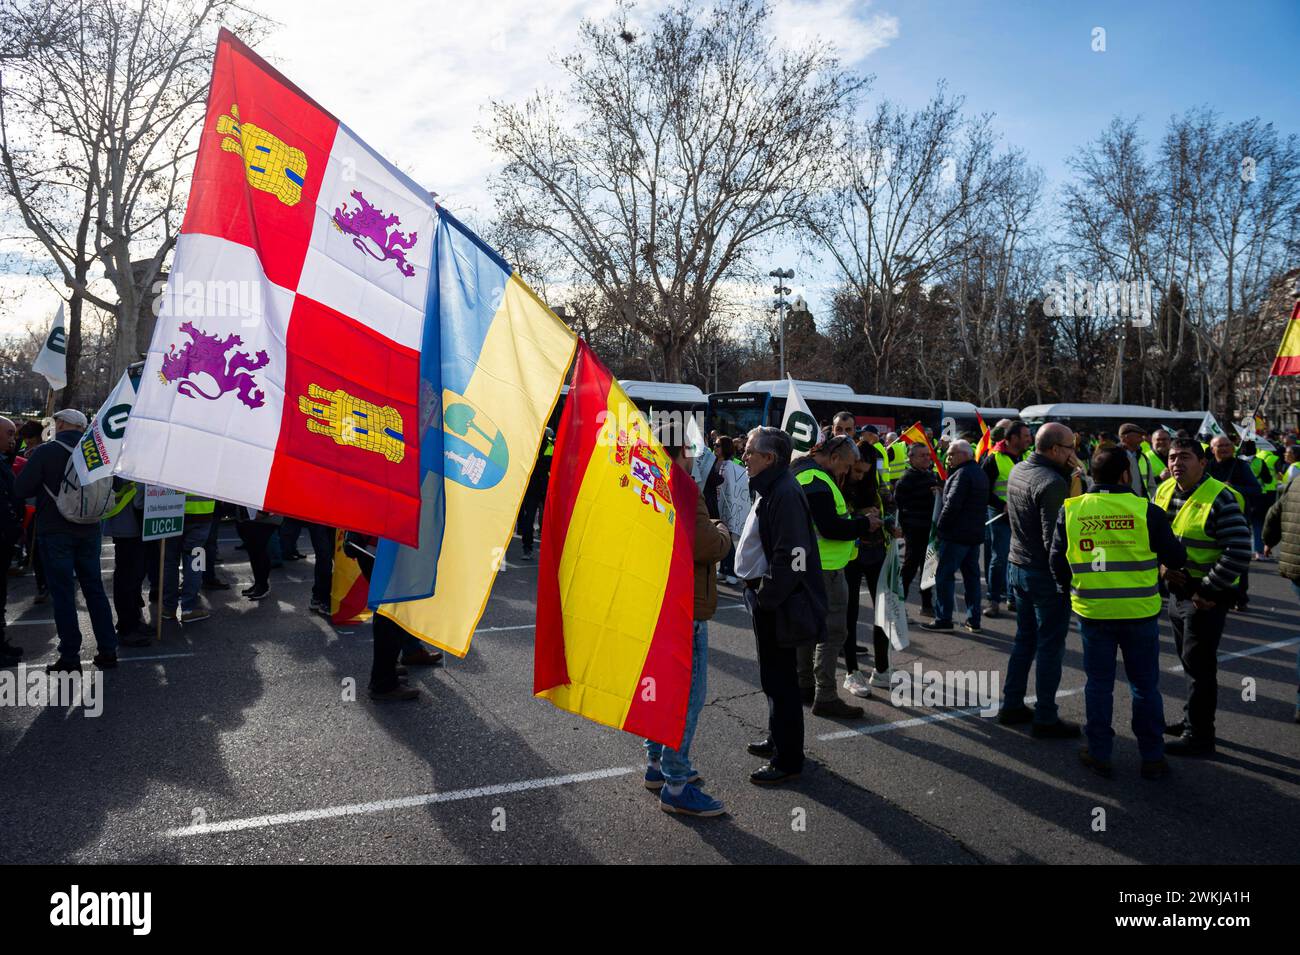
column 503, row 358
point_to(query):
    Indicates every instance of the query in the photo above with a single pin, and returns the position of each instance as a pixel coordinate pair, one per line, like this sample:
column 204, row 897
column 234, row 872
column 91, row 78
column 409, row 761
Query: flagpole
column 1263, row 394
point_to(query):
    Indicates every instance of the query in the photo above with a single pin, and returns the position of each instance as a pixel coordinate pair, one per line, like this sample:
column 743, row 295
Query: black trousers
column 528, row 512
column 322, row 543
column 130, row 567
column 854, row 573
column 778, row 675
column 257, row 542
column 1197, row 635
column 388, row 644
column 917, row 539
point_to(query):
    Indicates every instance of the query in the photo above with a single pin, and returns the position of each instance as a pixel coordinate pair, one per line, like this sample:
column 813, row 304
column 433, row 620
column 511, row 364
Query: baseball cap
column 71, row 416
column 869, row 429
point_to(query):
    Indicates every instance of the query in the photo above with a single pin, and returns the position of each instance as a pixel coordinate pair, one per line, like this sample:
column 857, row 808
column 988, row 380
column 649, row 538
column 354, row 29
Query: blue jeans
column 1042, row 621
column 954, row 557
column 676, row 763
column 183, row 549
column 1139, row 642
column 997, row 545
column 66, row 556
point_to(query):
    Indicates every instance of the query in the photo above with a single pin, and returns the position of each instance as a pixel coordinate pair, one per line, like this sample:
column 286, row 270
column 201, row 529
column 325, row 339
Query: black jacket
column 791, row 596
column 43, row 473
column 1036, row 491
column 965, row 497
column 915, row 499
column 11, row 506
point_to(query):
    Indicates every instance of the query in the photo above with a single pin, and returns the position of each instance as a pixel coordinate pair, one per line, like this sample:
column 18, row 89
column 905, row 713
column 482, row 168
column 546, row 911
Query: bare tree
column 97, row 123
column 907, row 180
column 671, row 157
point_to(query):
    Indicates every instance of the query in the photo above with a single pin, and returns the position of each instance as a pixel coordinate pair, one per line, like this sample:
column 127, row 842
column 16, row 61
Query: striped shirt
column 1227, row 526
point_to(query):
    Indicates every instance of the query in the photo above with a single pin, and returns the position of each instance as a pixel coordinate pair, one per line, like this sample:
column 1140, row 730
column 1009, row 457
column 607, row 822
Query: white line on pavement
column 131, row 659
column 1029, row 700
column 406, row 802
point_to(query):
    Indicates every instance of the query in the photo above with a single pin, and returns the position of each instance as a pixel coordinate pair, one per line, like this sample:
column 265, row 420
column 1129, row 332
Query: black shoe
column 807, row 694
column 1103, row 770
column 1188, row 745
column 1015, row 715
column 764, row 749
column 1058, row 730
column 935, row 627
column 106, row 661
column 1242, row 607
column 1155, row 769
column 64, row 666
column 1176, row 729
column 397, row 694
column 41, row 597
column 769, row 775
column 295, row 555
column 257, row 593
column 992, row 611
column 972, row 627
column 837, row 709
column 215, row 584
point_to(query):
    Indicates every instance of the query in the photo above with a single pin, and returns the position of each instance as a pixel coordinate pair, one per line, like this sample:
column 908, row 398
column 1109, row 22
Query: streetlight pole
column 781, row 292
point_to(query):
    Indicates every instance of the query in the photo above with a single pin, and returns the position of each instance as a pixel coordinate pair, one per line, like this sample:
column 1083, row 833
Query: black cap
column 869, row 428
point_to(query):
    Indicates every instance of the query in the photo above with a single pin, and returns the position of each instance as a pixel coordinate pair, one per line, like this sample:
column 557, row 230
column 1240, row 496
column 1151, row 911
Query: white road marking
column 131, row 659
column 1029, row 700
column 406, row 802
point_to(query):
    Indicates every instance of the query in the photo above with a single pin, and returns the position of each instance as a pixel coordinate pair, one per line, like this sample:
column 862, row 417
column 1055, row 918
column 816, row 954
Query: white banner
column 799, row 422
column 96, row 455
column 1210, row 426
column 52, row 362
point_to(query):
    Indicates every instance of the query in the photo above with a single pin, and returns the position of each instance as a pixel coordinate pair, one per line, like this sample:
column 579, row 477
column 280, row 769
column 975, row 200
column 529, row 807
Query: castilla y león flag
column 284, row 371
column 616, row 578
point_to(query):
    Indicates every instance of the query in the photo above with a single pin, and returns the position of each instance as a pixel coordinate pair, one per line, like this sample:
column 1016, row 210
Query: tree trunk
column 72, row 353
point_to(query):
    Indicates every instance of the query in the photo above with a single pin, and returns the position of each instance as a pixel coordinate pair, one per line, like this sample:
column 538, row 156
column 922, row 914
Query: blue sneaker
column 693, row 801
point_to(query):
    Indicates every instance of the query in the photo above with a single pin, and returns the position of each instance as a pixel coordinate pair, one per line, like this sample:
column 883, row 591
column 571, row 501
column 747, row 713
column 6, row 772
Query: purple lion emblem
column 367, row 222
column 207, row 354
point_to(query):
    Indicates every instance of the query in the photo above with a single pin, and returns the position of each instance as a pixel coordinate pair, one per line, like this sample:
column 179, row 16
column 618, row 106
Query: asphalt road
column 231, row 741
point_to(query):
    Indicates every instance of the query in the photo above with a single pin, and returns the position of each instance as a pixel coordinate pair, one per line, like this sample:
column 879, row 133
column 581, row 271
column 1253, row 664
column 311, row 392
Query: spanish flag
column 1287, row 361
column 986, row 439
column 916, row 435
column 616, row 575
column 348, row 589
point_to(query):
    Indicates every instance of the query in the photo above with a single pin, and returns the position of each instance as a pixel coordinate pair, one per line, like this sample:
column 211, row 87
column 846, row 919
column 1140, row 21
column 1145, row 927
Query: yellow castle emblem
column 270, row 165
column 354, row 422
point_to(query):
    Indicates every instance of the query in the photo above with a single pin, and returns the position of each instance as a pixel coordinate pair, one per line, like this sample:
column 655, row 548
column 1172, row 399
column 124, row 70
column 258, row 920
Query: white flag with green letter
column 799, row 422
column 52, row 362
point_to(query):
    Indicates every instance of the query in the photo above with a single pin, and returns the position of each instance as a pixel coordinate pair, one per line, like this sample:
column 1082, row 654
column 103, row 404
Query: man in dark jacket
column 821, row 474
column 1227, row 467
column 1282, row 537
column 915, row 496
column 11, row 524
column 997, row 467
column 961, row 533
column 1035, row 492
column 69, row 551
column 777, row 557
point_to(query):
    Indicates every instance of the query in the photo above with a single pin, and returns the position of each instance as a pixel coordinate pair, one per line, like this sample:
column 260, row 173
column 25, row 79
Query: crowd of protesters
column 1047, row 525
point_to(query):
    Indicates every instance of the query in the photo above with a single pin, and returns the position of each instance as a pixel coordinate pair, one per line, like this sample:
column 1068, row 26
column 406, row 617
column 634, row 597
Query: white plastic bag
column 891, row 608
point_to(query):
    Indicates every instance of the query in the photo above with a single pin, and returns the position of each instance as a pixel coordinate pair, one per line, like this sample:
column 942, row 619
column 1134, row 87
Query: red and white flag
column 284, row 368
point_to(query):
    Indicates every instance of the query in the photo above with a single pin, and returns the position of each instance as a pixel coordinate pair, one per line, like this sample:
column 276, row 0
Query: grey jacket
column 1036, row 490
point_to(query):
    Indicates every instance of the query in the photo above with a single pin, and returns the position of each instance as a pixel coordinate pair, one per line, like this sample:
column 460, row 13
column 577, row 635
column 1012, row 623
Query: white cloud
column 844, row 24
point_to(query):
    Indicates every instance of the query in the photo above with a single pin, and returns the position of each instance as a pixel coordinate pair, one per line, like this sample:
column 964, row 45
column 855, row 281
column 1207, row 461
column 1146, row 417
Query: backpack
column 81, row 503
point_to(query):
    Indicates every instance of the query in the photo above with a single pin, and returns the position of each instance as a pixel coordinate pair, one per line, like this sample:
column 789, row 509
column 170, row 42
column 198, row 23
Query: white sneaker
column 856, row 683
column 883, row 680
column 732, row 580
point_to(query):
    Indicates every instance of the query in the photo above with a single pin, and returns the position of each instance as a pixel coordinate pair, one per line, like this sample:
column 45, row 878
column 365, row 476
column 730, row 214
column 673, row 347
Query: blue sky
column 1033, row 65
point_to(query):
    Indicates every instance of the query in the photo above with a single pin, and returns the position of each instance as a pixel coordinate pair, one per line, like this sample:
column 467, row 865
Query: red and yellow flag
column 348, row 589
column 986, row 439
column 1287, row 361
column 616, row 575
column 916, row 435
